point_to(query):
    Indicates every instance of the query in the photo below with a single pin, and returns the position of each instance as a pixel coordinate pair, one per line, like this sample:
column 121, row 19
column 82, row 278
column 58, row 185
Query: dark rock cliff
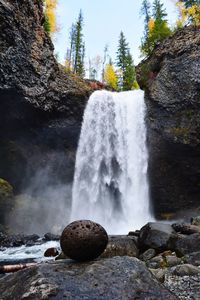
column 171, row 79
column 40, row 105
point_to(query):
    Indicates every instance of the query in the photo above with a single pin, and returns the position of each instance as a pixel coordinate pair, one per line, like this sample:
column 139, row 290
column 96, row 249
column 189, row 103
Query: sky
column 103, row 21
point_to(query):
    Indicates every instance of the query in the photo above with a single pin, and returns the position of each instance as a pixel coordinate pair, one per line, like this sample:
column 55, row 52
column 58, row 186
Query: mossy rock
column 6, row 190
column 6, row 200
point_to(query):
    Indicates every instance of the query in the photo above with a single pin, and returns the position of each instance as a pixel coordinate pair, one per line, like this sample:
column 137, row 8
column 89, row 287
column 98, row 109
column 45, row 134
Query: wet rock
column 171, row 80
column 148, row 254
column 134, row 233
column 186, row 228
column 185, row 270
column 18, row 240
column 83, row 240
column 51, row 252
column 112, row 278
column 156, row 235
column 121, row 246
column 51, row 237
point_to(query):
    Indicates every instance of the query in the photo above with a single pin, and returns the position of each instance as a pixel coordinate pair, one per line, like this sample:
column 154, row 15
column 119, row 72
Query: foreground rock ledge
column 114, row 278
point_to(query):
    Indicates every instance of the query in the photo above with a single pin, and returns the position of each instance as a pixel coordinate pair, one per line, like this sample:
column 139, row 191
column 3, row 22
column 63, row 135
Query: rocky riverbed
column 159, row 261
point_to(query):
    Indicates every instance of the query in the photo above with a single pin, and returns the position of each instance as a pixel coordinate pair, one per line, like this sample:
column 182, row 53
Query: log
column 14, row 268
column 186, row 228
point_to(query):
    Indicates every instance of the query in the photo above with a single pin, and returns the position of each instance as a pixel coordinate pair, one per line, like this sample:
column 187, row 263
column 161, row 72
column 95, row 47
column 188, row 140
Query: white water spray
column 110, row 182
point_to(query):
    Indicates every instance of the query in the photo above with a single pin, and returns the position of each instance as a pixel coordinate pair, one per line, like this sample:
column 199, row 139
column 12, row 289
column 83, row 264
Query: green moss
column 6, row 190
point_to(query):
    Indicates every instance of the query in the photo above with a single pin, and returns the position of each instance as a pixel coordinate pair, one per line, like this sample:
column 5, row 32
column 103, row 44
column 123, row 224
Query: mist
column 42, row 206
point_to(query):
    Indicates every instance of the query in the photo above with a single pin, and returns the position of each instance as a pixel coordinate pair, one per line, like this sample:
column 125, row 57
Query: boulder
column 186, row 228
column 17, row 240
column 156, row 235
column 121, row 246
column 104, row 279
column 184, row 244
column 83, row 240
column 51, row 252
column 51, row 237
column 185, row 270
column 193, row 258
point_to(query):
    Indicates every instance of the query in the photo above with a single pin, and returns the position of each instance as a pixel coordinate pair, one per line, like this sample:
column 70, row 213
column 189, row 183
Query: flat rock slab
column 104, row 279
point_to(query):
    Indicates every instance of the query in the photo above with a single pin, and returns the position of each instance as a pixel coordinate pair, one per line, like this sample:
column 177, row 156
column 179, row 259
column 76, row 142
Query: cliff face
column 40, row 105
column 171, row 79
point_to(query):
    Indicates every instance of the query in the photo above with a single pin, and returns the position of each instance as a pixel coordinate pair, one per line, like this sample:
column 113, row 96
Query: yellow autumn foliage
column 110, row 77
column 151, row 25
column 191, row 13
column 50, row 12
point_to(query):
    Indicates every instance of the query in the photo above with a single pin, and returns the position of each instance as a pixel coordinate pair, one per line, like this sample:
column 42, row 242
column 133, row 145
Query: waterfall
column 110, row 182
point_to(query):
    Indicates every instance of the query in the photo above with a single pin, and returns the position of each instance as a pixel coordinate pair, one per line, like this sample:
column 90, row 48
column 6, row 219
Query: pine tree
column 129, row 73
column 79, row 47
column 76, row 52
column 158, row 28
column 145, row 10
column 122, row 52
column 126, row 72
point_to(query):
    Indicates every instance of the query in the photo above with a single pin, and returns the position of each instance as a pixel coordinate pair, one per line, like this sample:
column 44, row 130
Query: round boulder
column 83, row 240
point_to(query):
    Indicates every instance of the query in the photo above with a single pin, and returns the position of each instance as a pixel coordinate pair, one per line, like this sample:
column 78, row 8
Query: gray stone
column 156, row 262
column 114, row 278
column 159, row 274
column 83, row 240
column 193, row 258
column 184, row 244
column 185, row 270
column 121, row 246
column 172, row 260
column 148, row 254
column 155, row 235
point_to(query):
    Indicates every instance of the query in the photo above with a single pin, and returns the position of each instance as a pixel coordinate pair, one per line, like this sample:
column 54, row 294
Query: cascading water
column 110, row 181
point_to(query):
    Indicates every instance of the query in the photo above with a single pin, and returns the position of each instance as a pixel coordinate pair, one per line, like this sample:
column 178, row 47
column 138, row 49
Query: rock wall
column 40, row 105
column 171, row 79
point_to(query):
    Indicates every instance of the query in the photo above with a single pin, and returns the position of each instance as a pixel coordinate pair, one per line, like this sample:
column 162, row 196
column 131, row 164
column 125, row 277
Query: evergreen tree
column 79, row 47
column 126, row 72
column 129, row 73
column 76, row 52
column 145, row 10
column 158, row 28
